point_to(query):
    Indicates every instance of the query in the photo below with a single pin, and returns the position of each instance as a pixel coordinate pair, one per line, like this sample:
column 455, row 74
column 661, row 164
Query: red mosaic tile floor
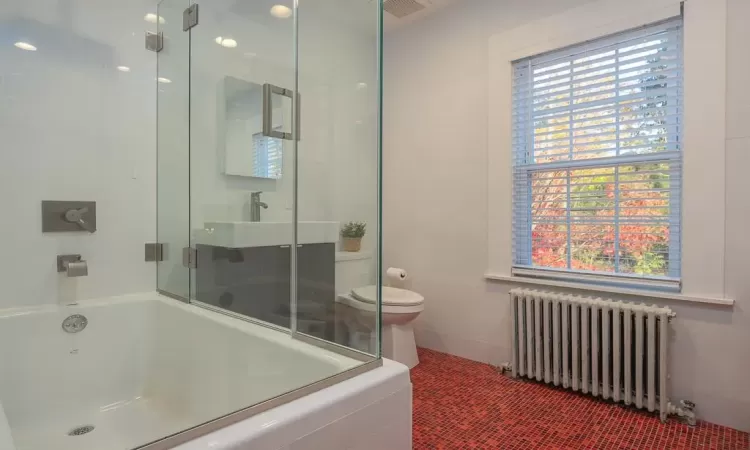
column 461, row 404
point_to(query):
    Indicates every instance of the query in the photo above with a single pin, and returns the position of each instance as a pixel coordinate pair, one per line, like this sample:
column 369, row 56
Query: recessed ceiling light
column 361, row 85
column 25, row 46
column 123, row 68
column 153, row 18
column 226, row 42
column 281, row 11
column 229, row 43
column 163, row 80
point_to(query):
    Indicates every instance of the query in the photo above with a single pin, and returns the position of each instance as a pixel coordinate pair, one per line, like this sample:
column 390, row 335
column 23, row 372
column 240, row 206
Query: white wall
column 75, row 128
column 435, row 200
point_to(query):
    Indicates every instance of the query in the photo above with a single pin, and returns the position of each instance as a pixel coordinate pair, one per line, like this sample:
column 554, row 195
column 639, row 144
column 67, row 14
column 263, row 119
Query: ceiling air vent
column 401, row 8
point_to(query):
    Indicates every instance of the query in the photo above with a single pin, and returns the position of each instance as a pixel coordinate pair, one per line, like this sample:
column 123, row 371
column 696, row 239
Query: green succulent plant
column 353, row 229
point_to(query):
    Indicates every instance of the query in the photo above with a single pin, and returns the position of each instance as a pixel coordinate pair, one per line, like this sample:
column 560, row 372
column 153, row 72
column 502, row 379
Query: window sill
column 611, row 290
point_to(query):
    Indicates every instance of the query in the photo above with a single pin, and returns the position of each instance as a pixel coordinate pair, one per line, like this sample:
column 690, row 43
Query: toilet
column 356, row 307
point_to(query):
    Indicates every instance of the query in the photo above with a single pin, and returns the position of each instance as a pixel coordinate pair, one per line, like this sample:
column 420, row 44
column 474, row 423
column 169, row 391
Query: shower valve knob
column 76, row 216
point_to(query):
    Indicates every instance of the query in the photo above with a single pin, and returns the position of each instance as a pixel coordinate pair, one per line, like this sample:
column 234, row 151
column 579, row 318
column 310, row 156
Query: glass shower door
column 284, row 151
column 242, row 167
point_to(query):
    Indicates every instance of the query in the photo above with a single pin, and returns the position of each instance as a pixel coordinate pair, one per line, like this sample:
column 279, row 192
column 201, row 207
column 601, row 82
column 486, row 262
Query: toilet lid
column 391, row 296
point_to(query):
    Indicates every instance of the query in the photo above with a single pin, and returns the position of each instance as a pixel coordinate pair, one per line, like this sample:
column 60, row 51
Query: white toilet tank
column 354, row 269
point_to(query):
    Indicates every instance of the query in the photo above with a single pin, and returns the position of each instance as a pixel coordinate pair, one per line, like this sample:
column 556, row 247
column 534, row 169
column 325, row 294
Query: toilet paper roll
column 396, row 276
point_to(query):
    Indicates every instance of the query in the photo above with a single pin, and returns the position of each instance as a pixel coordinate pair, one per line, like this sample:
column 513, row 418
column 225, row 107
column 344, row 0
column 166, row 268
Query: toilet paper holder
column 73, row 265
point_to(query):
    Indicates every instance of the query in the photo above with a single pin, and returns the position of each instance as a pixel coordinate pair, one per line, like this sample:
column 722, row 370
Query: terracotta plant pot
column 351, row 244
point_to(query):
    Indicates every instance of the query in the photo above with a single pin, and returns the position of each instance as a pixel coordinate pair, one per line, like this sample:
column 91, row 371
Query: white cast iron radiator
column 606, row 348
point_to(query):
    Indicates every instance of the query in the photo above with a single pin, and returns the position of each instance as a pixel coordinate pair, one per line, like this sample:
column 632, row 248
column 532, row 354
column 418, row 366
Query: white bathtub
column 145, row 367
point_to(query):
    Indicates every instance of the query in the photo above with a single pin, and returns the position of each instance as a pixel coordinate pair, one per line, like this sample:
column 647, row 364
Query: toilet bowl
column 400, row 307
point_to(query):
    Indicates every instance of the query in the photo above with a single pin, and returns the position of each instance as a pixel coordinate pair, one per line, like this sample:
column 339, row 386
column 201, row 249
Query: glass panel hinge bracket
column 190, row 17
column 154, row 251
column 154, row 41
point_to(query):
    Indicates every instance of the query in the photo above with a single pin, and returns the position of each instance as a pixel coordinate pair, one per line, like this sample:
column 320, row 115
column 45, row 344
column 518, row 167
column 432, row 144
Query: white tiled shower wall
column 73, row 127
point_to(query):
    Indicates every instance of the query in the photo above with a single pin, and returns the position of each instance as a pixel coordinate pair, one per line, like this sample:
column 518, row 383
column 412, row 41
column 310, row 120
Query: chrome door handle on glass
column 76, row 216
column 268, row 130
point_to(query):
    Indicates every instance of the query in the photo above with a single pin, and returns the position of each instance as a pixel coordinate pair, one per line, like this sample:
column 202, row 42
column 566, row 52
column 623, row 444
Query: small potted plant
column 352, row 233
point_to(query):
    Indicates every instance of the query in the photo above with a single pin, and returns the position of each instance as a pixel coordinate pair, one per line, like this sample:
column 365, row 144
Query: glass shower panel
column 338, row 163
column 241, row 158
column 242, row 199
column 173, row 145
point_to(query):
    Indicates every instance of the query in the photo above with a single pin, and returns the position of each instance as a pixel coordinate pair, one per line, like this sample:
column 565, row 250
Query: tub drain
column 78, row 431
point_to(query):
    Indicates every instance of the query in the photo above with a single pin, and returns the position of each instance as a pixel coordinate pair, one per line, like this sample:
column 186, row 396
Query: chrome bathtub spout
column 72, row 265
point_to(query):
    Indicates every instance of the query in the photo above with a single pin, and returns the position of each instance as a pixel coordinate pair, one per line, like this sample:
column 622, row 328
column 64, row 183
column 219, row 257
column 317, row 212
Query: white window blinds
column 597, row 159
column 267, row 156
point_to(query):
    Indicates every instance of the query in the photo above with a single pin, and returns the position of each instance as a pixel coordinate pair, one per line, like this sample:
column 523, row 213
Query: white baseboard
column 475, row 350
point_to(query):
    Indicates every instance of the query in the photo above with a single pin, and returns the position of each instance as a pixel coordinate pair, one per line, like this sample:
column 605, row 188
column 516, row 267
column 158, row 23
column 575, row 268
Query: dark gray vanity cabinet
column 256, row 282
column 316, row 290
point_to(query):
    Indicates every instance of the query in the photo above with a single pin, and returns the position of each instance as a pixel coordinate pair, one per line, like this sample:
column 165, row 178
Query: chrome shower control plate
column 63, row 216
column 75, row 323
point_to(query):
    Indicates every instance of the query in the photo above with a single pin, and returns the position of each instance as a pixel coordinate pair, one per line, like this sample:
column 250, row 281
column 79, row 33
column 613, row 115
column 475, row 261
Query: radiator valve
column 687, row 404
column 504, row 368
column 684, row 411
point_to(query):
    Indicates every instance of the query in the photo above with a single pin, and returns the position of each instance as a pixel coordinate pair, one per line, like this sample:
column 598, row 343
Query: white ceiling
column 358, row 15
column 431, row 6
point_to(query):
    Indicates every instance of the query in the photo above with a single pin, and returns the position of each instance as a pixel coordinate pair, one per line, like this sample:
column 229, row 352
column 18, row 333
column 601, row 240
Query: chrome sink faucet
column 255, row 205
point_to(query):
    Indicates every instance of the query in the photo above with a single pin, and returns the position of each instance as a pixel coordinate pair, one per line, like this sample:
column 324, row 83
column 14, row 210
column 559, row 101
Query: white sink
column 265, row 234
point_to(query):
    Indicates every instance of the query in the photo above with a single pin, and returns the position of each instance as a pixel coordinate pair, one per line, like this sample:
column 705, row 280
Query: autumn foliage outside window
column 597, row 155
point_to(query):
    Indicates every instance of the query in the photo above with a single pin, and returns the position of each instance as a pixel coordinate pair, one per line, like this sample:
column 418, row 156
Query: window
column 267, row 156
column 597, row 159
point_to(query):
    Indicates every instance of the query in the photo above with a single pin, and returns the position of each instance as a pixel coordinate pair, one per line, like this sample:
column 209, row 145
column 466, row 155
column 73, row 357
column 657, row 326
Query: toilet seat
column 391, row 296
column 351, row 300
